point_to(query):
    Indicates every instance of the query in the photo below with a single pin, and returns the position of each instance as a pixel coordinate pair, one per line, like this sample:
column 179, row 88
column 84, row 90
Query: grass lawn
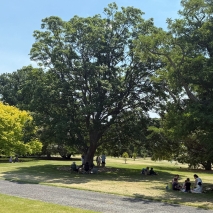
column 10, row 204
column 116, row 178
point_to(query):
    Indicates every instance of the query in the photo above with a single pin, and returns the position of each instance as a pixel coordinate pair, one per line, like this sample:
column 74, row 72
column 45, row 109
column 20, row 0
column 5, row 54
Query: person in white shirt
column 103, row 158
column 198, row 185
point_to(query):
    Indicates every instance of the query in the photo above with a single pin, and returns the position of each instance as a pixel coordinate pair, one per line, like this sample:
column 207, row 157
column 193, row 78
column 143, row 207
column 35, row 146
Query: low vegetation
column 116, row 178
column 12, row 204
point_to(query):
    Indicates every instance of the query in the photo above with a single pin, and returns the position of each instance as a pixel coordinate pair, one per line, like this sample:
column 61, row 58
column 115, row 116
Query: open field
column 116, row 178
column 10, row 204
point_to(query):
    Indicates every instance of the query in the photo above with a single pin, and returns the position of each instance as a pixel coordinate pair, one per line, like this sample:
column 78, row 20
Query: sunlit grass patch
column 11, row 204
column 116, row 178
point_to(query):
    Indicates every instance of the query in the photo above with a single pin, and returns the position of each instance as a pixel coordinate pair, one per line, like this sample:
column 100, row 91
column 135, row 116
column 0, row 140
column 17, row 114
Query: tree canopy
column 16, row 132
column 99, row 76
column 91, row 63
column 185, row 51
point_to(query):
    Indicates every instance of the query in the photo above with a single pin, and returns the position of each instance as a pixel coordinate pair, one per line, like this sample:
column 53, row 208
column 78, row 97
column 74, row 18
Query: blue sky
column 18, row 20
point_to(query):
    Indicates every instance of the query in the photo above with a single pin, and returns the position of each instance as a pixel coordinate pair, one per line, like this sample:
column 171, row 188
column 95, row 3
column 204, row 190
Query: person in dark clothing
column 187, row 185
column 74, row 167
column 86, row 167
column 175, row 185
column 152, row 172
column 145, row 171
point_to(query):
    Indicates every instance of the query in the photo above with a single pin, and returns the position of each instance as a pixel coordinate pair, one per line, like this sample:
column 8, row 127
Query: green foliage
column 185, row 52
column 13, row 127
column 125, row 155
column 134, row 155
column 92, row 63
column 110, row 72
column 127, row 134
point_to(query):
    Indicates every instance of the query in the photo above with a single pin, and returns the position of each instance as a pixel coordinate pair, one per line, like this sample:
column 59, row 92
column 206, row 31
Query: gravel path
column 99, row 202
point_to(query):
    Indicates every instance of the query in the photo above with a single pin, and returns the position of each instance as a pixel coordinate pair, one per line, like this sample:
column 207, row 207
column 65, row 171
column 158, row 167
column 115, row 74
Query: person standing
column 103, row 159
column 98, row 160
column 16, row 159
column 82, row 159
column 10, row 159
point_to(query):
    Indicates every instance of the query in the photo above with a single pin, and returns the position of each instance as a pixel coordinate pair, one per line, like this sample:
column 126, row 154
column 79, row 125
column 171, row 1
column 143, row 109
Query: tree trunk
column 90, row 155
column 94, row 137
column 48, row 155
column 207, row 165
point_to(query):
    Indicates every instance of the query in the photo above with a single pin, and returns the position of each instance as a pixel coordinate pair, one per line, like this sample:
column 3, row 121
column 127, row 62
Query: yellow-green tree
column 13, row 126
column 125, row 156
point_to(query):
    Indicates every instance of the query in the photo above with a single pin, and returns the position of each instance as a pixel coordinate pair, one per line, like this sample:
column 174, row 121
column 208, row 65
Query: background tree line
column 110, row 72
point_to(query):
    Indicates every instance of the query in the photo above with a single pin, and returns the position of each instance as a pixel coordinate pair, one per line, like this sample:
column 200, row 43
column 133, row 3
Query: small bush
column 125, row 156
column 134, row 155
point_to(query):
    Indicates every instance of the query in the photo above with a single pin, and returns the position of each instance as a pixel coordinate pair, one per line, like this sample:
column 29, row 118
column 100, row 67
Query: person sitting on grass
column 186, row 186
column 86, row 167
column 198, row 185
column 152, row 172
column 177, row 177
column 145, row 171
column 170, row 184
column 175, row 185
column 74, row 167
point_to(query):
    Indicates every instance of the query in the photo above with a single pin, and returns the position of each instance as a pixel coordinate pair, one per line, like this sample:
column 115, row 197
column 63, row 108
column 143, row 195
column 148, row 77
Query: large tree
column 186, row 51
column 91, row 63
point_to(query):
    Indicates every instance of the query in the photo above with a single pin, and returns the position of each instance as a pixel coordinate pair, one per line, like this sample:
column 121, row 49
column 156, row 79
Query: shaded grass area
column 116, row 178
column 11, row 204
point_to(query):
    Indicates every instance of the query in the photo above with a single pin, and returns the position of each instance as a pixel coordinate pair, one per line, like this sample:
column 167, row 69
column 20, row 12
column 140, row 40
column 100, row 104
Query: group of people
column 101, row 160
column 147, row 171
column 85, row 167
column 16, row 159
column 186, row 187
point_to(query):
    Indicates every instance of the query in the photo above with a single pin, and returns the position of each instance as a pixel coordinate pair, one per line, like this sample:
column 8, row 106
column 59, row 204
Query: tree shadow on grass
column 61, row 173
column 21, row 160
column 55, row 175
column 139, row 198
column 164, row 202
column 51, row 173
column 175, row 198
